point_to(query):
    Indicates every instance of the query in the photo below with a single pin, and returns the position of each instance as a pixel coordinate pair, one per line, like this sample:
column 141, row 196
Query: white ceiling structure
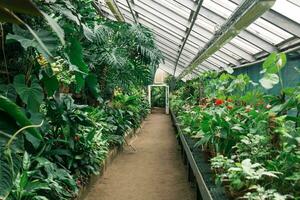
column 200, row 35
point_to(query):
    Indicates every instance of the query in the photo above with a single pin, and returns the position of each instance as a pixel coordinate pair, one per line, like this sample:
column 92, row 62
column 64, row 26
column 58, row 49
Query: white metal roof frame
column 200, row 35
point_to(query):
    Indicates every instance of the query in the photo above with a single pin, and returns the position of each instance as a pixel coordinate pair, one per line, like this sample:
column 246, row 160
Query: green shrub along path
column 154, row 171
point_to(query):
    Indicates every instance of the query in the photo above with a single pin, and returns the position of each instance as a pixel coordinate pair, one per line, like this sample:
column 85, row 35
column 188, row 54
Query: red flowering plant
column 242, row 122
column 219, row 102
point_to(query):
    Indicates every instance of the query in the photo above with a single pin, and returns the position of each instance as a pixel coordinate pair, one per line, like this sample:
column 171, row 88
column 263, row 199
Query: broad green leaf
column 281, row 60
column 15, row 112
column 67, row 13
column 33, row 140
column 269, row 64
column 23, row 180
column 274, row 63
column 36, row 185
column 92, row 85
column 50, row 81
column 43, row 41
column 31, row 95
column 76, row 58
column 6, row 175
column 55, row 27
column 237, row 127
column 41, row 47
column 289, row 91
column 269, row 80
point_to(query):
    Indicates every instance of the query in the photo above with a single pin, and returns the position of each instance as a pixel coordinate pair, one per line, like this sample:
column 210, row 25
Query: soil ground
column 154, row 171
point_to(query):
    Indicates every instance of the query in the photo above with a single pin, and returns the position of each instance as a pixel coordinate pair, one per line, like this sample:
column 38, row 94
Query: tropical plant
column 51, row 138
column 232, row 118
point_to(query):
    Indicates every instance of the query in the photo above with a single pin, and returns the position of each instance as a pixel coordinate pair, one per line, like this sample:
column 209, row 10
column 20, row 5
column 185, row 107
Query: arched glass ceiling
column 184, row 29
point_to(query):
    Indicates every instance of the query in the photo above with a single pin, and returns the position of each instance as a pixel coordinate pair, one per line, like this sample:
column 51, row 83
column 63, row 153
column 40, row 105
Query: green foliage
column 158, row 96
column 61, row 62
column 11, row 109
column 271, row 69
column 45, row 45
column 31, row 95
column 252, row 138
column 76, row 58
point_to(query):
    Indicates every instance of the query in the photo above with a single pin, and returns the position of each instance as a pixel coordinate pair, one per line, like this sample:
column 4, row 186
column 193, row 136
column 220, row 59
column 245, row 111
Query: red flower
column 219, row 102
column 230, row 107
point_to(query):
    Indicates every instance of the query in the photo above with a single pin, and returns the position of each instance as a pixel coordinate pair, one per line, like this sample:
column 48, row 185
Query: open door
column 166, row 95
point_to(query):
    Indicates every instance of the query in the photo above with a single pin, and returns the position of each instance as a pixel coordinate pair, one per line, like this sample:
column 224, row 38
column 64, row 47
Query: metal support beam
column 96, row 5
column 193, row 18
column 280, row 20
column 250, row 37
column 115, row 10
column 243, row 16
column 129, row 2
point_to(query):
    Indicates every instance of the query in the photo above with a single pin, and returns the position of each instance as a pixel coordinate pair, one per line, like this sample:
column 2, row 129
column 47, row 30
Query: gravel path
column 153, row 172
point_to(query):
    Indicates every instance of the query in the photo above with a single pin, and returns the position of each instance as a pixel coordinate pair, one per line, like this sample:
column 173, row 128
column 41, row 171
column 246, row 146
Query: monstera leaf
column 31, row 95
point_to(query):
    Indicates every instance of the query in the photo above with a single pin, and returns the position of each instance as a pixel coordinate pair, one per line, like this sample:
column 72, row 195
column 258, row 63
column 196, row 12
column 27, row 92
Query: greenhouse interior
column 149, row 99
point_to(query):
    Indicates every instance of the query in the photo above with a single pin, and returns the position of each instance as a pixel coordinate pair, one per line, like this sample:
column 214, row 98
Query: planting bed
column 198, row 167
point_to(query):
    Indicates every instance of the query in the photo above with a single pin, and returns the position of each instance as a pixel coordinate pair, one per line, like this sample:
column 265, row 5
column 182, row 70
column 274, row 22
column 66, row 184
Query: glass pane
column 224, row 50
column 178, row 8
column 243, row 44
column 226, row 4
column 202, row 22
column 220, row 59
column 290, row 9
column 272, row 28
column 295, row 2
column 217, row 8
column 263, row 33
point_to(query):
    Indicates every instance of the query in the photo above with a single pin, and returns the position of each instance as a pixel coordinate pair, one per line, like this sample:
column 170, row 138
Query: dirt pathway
column 154, row 172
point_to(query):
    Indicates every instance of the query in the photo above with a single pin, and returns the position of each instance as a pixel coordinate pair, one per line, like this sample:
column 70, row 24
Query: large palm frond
column 113, row 57
column 102, row 34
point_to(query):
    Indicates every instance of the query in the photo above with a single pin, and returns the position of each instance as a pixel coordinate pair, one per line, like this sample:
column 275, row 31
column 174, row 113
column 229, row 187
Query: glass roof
column 184, row 29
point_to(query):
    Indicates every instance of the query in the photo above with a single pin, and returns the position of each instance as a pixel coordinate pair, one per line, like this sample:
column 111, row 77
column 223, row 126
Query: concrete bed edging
column 112, row 154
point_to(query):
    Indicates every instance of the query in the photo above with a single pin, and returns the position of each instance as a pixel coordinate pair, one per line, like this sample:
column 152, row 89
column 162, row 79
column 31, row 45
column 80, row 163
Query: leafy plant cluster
column 158, row 96
column 252, row 139
column 71, row 86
